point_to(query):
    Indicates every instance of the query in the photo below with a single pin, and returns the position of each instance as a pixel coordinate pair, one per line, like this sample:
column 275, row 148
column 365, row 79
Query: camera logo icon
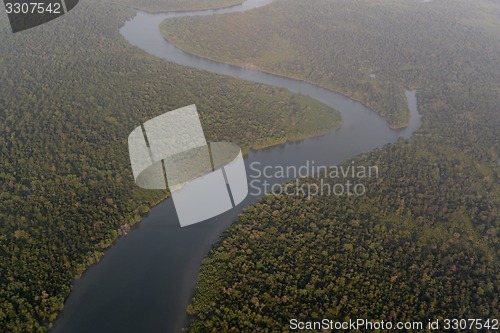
column 170, row 152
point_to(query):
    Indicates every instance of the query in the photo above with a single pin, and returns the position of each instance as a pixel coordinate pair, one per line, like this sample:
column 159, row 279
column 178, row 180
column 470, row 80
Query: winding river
column 145, row 281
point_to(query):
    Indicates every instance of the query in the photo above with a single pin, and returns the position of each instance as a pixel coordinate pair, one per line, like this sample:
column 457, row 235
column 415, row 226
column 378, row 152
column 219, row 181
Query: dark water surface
column 144, row 283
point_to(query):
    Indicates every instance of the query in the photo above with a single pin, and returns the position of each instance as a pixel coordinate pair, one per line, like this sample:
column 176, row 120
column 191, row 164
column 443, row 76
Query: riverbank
column 254, row 66
column 134, row 222
column 146, row 280
column 176, row 10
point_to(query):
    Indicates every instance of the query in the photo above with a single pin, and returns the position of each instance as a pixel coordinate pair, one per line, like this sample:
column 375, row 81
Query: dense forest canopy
column 423, row 242
column 368, row 50
column 177, row 5
column 71, row 92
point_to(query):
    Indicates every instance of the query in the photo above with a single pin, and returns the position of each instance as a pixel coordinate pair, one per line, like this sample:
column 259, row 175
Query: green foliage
column 406, row 250
column 339, row 44
column 154, row 6
column 71, row 92
column 423, row 241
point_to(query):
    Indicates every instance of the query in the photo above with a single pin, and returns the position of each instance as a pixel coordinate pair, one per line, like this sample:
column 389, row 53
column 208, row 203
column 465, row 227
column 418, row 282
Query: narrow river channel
column 144, row 282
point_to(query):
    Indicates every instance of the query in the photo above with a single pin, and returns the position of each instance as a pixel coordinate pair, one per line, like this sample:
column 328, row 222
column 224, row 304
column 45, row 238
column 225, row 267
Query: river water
column 146, row 280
